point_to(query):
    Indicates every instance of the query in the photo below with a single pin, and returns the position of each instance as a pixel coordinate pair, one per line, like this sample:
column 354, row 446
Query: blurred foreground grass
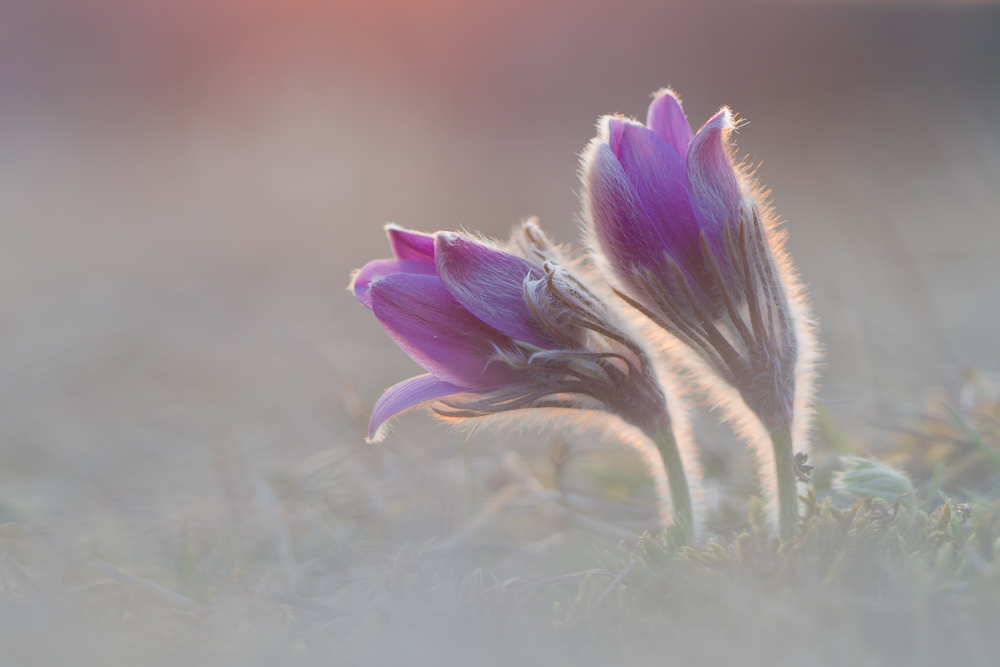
column 385, row 555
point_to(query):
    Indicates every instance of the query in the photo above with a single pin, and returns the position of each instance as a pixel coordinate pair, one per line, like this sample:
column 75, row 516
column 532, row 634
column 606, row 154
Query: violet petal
column 426, row 321
column 408, row 244
column 623, row 232
column 712, row 183
column 405, row 395
column 666, row 118
column 657, row 175
column 361, row 280
column 490, row 284
column 628, row 238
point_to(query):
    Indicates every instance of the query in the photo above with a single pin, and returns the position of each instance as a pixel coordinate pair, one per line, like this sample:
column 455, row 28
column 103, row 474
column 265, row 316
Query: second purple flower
column 676, row 225
column 681, row 231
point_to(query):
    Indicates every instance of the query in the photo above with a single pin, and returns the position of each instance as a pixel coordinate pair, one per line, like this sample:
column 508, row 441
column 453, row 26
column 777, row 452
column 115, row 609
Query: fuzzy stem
column 788, row 492
column 680, row 495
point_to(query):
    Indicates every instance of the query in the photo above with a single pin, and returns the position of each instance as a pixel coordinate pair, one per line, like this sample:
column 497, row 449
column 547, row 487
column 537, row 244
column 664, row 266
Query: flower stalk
column 788, row 492
column 680, row 494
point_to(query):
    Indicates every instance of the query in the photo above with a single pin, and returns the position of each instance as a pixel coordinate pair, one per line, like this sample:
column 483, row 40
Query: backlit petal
column 408, row 244
column 405, row 395
column 437, row 332
column 490, row 284
column 666, row 118
column 361, row 279
column 712, row 183
column 624, row 234
column 656, row 174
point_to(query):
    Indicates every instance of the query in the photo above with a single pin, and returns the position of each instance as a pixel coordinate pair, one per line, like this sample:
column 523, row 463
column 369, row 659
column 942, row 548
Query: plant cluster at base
column 874, row 580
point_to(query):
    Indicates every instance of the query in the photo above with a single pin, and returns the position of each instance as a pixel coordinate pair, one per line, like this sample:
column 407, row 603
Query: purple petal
column 621, row 229
column 361, row 279
column 624, row 234
column 666, row 118
column 408, row 244
column 712, row 182
column 490, row 284
column 405, row 395
column 426, row 321
column 656, row 173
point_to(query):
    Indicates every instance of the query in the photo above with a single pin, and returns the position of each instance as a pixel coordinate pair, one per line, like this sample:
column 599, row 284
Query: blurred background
column 185, row 186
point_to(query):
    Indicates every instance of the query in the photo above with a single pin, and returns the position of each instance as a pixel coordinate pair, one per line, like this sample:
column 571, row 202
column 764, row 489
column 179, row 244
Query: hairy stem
column 680, row 495
column 788, row 493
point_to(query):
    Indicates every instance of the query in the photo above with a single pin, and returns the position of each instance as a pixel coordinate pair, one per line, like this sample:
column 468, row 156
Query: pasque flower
column 682, row 233
column 502, row 328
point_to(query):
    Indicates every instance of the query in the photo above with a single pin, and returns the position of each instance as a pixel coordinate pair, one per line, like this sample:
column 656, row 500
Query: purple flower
column 679, row 228
column 501, row 329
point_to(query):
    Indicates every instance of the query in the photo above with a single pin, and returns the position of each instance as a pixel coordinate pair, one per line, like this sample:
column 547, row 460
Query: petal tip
column 444, row 245
column 378, row 432
column 667, row 91
column 721, row 121
column 666, row 118
column 410, row 245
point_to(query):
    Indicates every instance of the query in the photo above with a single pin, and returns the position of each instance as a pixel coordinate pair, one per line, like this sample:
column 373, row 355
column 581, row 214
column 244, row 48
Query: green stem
column 788, row 492
column 680, row 495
